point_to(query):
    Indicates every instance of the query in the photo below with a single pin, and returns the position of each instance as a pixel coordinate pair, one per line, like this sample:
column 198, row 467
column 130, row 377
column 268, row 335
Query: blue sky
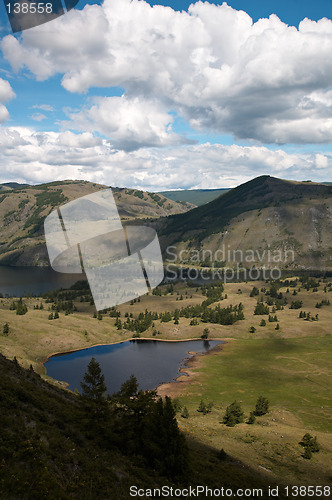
column 200, row 98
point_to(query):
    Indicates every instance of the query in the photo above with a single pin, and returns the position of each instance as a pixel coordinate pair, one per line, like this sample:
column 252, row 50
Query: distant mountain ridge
column 12, row 185
column 259, row 219
column 196, row 196
column 264, row 213
column 23, row 209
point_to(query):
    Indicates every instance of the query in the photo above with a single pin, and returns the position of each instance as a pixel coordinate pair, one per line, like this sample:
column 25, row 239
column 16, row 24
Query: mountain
column 196, row 196
column 266, row 221
column 12, row 185
column 24, row 208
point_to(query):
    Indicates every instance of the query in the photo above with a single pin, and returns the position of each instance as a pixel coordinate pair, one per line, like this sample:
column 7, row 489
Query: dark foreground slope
column 52, row 448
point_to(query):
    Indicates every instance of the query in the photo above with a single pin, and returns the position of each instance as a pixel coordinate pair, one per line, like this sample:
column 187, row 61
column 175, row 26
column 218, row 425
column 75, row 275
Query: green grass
column 291, row 367
column 294, row 374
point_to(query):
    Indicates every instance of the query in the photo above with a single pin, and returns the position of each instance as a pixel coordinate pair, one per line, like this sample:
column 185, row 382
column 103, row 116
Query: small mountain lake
column 153, row 362
column 19, row 281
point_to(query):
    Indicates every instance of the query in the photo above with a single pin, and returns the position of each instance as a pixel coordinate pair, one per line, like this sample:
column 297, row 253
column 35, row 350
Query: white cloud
column 6, row 93
column 85, row 140
column 30, row 156
column 38, row 117
column 44, row 107
column 130, row 123
column 212, row 65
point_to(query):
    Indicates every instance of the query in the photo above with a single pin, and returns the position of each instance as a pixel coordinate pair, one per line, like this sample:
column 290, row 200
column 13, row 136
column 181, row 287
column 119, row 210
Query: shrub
column 252, row 419
column 233, row 414
column 262, row 406
column 296, row 304
column 177, row 405
column 310, row 442
column 185, row 413
column 261, row 309
column 202, row 407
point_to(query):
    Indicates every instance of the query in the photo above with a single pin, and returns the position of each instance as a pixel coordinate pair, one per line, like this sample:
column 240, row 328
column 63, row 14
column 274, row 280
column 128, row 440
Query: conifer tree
column 185, row 413
column 202, row 407
column 233, row 414
column 93, row 387
column 262, row 406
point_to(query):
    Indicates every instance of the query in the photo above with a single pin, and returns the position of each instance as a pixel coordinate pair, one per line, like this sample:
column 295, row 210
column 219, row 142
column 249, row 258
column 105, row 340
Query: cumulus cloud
column 130, row 123
column 31, row 156
column 216, row 68
column 6, row 93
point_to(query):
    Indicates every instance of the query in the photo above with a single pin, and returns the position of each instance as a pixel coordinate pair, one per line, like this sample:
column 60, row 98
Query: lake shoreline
column 187, row 375
column 60, row 353
column 183, row 370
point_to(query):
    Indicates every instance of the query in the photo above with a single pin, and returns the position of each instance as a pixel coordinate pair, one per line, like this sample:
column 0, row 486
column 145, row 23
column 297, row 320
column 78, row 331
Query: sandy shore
column 183, row 382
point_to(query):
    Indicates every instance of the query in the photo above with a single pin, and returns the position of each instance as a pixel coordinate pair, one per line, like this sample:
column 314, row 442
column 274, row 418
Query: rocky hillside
column 24, row 208
column 266, row 221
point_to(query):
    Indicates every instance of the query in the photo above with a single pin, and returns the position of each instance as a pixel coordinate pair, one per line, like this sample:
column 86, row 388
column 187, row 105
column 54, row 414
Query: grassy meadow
column 291, row 366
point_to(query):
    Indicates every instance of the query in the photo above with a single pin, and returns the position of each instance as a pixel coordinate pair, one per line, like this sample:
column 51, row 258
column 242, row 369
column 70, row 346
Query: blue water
column 153, row 362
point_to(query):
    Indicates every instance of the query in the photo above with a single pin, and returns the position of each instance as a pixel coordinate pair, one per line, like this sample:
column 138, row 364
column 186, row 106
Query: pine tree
column 252, row 418
column 262, row 406
column 314, row 446
column 185, row 413
column 5, row 329
column 209, row 407
column 93, row 387
column 21, row 308
column 166, row 447
column 261, row 309
column 202, row 407
column 308, row 441
column 205, row 334
column 233, row 414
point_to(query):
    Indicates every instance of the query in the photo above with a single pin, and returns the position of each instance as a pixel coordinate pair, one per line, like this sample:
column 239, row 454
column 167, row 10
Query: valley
column 277, row 332
column 290, row 365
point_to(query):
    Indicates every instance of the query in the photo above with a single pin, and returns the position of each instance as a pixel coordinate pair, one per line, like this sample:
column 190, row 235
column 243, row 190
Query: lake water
column 152, row 362
column 18, row 281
